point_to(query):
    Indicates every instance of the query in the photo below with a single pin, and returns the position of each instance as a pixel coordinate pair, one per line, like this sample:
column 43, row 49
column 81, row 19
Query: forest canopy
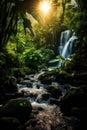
column 28, row 35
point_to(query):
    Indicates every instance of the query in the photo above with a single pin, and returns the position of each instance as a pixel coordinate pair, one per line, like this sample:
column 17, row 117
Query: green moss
column 54, row 90
column 19, row 108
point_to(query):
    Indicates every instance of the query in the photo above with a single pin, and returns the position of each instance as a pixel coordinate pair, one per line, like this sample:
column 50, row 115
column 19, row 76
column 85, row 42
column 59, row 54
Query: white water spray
column 66, row 44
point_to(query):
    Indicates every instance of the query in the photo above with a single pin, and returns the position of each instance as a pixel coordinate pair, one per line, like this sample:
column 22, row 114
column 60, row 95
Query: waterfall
column 65, row 48
column 63, row 39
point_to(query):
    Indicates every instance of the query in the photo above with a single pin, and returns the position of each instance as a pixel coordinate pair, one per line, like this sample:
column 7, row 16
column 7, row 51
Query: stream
column 45, row 108
column 36, row 92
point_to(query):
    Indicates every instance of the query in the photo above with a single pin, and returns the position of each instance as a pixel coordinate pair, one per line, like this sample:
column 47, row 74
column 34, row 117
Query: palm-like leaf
column 9, row 12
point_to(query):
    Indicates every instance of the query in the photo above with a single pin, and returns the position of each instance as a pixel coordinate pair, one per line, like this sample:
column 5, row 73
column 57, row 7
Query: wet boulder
column 47, row 78
column 55, row 91
column 9, row 123
column 10, row 90
column 53, row 101
column 74, row 102
column 26, row 83
column 19, row 108
column 43, row 98
column 10, row 85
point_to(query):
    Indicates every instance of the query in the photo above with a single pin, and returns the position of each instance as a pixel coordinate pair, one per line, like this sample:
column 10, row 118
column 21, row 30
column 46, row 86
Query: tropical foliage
column 25, row 42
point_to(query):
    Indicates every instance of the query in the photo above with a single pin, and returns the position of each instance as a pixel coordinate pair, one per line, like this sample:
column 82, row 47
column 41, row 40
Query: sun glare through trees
column 45, row 7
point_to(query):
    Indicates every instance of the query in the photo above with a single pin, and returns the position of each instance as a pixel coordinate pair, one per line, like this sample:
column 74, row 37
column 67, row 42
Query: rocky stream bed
column 37, row 106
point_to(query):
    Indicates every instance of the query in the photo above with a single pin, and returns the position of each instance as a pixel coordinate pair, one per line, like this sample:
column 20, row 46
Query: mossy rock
column 19, row 108
column 54, row 90
column 74, row 102
column 63, row 77
column 9, row 123
column 10, row 85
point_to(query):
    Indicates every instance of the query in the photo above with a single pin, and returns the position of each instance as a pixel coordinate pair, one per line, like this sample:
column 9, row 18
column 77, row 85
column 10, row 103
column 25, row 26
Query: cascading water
column 66, row 45
column 63, row 39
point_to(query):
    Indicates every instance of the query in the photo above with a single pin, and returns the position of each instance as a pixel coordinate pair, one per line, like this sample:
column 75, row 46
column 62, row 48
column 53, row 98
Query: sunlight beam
column 44, row 7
